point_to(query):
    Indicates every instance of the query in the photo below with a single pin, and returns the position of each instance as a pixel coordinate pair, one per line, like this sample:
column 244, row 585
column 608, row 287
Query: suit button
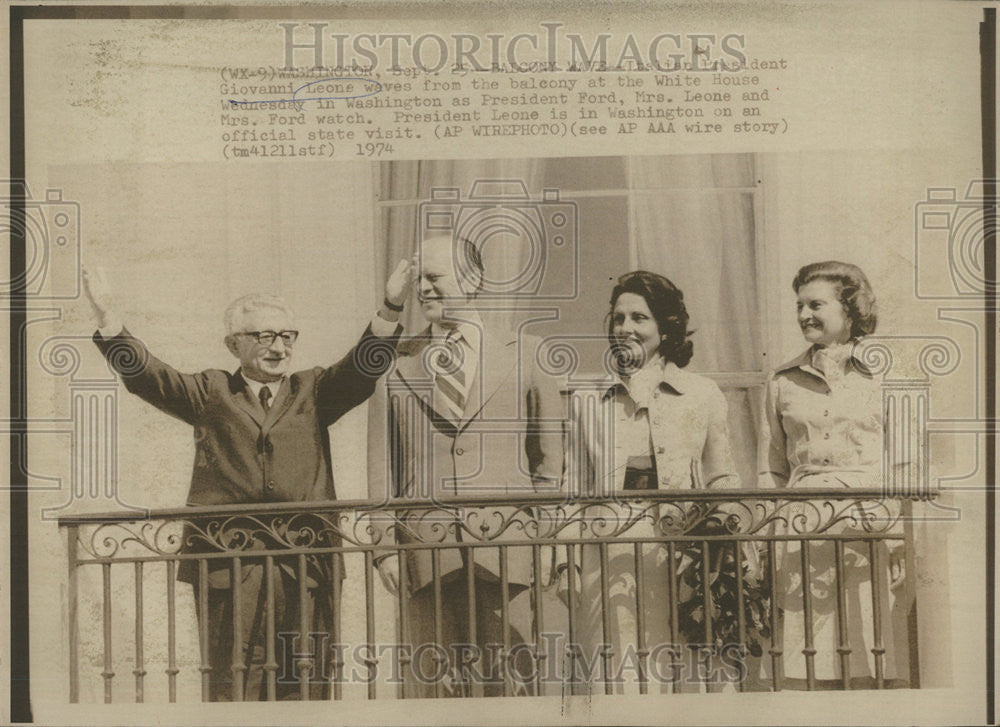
column 459, row 451
column 656, row 420
column 661, row 450
column 656, row 394
column 269, row 486
column 268, row 446
column 826, row 435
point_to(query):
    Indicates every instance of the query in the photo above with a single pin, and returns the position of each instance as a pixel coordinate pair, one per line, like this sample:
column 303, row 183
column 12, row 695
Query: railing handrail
column 532, row 498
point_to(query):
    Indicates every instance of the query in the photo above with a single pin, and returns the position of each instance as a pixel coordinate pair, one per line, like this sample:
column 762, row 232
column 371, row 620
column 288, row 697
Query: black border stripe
column 987, row 48
column 20, row 695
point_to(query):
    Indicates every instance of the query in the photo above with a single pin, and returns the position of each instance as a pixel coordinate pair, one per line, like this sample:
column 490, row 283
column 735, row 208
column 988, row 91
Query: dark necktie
column 265, row 397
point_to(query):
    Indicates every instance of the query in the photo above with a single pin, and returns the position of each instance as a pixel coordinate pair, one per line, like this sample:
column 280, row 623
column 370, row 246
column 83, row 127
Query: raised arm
column 177, row 394
column 98, row 291
column 351, row 380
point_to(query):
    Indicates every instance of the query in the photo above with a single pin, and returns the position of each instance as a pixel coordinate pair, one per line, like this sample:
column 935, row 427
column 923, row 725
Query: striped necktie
column 451, row 382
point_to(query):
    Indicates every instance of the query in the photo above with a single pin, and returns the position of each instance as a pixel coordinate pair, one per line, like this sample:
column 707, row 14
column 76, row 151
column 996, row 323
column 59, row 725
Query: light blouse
column 824, row 417
column 676, row 417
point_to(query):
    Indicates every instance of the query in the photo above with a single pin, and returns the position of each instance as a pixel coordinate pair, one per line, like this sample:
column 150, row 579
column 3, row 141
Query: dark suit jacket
column 509, row 442
column 242, row 454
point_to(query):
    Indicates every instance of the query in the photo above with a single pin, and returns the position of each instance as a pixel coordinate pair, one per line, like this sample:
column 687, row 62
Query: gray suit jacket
column 508, row 443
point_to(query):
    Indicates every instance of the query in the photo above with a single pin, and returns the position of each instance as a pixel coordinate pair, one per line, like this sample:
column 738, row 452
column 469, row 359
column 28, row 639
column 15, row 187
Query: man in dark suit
column 469, row 413
column 260, row 437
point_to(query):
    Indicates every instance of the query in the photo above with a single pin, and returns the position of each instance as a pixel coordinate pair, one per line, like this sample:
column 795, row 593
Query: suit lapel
column 497, row 364
column 244, row 399
column 282, row 402
column 419, row 380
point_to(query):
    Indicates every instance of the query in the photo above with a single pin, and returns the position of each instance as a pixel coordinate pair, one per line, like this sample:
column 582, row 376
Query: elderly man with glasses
column 260, row 437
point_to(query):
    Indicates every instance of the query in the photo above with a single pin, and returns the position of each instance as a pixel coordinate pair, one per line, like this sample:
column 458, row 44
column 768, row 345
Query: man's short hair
column 249, row 303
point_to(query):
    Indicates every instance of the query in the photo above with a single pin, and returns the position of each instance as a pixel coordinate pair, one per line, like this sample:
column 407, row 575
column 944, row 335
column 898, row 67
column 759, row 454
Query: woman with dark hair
column 671, row 425
column 823, row 427
column 660, row 427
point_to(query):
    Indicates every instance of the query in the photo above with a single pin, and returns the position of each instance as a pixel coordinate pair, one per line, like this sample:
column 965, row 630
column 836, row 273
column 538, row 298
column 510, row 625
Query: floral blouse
column 676, row 418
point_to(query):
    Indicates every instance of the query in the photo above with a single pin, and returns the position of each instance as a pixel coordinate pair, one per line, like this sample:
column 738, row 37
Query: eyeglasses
column 266, row 338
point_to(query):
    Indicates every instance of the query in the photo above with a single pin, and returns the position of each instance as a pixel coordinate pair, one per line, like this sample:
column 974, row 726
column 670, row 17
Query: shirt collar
column 470, row 328
column 675, row 377
column 256, row 386
column 804, row 361
column 667, row 373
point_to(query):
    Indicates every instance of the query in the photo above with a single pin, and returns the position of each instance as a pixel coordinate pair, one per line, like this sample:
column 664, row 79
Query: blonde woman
column 823, row 427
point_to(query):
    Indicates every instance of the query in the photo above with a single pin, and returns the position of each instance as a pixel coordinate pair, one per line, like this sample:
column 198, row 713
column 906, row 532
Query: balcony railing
column 739, row 569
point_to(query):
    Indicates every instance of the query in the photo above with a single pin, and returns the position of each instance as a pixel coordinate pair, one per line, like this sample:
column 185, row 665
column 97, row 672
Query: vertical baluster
column 107, row 674
column 571, row 612
column 537, row 620
column 239, row 667
column 338, row 659
column 172, row 669
column 438, row 638
column 776, row 636
column 640, row 618
column 404, row 626
column 206, row 667
column 843, row 645
column 809, row 651
column 303, row 665
column 73, row 533
column 470, row 602
column 606, row 650
column 505, row 620
column 877, row 647
column 140, row 664
column 371, row 662
column 741, row 617
column 909, row 587
column 706, row 606
column 673, row 604
column 271, row 661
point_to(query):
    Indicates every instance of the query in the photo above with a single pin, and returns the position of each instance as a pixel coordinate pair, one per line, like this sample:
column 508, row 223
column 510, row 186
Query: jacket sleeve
column 718, row 467
column 544, row 429
column 352, row 380
column 773, row 470
column 384, row 452
column 180, row 395
column 580, row 446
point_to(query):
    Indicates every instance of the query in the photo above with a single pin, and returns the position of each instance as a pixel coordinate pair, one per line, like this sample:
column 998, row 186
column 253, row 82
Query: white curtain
column 412, row 182
column 692, row 220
